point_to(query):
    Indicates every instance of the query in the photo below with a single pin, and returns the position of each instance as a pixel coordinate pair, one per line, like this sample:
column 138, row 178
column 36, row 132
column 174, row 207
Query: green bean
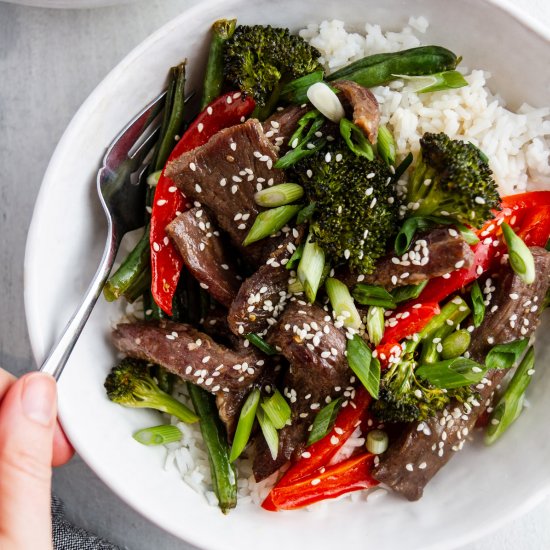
column 222, row 30
column 224, row 477
column 455, row 344
column 296, row 90
column 130, row 270
column 380, row 68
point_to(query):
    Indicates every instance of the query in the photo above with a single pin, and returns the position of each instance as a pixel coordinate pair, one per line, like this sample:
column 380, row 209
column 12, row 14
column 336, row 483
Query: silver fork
column 121, row 187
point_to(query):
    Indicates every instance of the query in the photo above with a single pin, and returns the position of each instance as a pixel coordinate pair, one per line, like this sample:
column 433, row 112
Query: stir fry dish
column 336, row 311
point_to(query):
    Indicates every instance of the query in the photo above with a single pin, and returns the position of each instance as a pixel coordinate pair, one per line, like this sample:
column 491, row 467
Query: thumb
column 27, row 423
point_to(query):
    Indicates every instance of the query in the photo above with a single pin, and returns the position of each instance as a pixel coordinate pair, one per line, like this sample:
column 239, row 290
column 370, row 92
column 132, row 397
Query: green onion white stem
column 377, row 442
column 153, row 179
column 270, row 221
column 279, row 195
column 510, row 404
column 158, row 435
column 386, row 146
column 433, row 82
column 364, row 365
column 310, row 268
column 342, row 303
column 520, row 256
column 270, row 433
column 326, row 101
column 277, row 409
column 375, row 324
column 244, row 426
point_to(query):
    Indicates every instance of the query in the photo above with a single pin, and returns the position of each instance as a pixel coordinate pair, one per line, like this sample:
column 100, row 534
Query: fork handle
column 59, row 355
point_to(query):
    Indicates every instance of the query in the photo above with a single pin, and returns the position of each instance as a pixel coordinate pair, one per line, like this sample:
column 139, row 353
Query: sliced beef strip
column 318, row 373
column 263, row 296
column 366, row 112
column 224, row 174
column 425, row 447
column 432, row 254
column 205, row 254
column 190, row 354
column 282, row 124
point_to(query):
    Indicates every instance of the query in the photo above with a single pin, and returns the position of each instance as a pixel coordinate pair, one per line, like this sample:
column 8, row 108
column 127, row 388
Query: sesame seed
column 198, row 188
column 192, row 166
column 409, row 467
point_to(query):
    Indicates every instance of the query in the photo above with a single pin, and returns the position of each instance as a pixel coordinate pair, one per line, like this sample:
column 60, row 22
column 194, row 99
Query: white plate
column 478, row 490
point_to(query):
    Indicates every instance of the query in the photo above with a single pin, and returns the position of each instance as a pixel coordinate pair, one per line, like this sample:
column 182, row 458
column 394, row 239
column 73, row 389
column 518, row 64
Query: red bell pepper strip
column 407, row 320
column 353, row 474
column 529, row 216
column 320, row 453
column 166, row 262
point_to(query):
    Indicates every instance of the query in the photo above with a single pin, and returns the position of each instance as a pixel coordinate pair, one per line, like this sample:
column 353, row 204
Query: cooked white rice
column 516, row 143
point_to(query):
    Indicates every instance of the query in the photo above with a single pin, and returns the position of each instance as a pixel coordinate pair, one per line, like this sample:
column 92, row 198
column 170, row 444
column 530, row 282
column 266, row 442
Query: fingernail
column 39, row 398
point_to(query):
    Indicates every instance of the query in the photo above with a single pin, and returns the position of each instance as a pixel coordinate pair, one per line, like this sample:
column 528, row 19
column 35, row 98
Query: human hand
column 31, row 442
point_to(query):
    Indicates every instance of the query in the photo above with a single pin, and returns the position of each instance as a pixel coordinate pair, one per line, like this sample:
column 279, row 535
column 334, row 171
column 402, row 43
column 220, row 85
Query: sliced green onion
column 510, row 404
column 466, row 233
column 261, row 344
column 158, row 435
column 279, row 195
column 342, row 303
column 355, row 139
column 478, row 304
column 364, row 365
column 386, row 146
column 371, row 295
column 153, row 178
column 310, row 268
column 455, row 344
column 277, row 409
column 401, row 168
column 295, row 91
column 377, row 442
column 505, row 356
column 306, row 213
column 375, row 324
column 270, row 433
column 520, row 257
column 324, row 420
column 295, row 155
column 452, row 373
column 270, row 221
column 244, row 426
column 408, row 292
column 452, row 313
column 413, row 224
column 407, row 232
column 294, row 260
column 295, row 287
column 434, row 82
column 303, row 141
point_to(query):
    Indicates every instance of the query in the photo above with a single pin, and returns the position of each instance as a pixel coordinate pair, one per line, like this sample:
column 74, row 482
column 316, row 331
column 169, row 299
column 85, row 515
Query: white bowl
column 479, row 489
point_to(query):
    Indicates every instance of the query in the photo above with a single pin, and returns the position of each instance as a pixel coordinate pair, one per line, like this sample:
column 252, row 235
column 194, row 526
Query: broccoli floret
column 257, row 58
column 131, row 385
column 452, row 178
column 403, row 398
column 356, row 210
